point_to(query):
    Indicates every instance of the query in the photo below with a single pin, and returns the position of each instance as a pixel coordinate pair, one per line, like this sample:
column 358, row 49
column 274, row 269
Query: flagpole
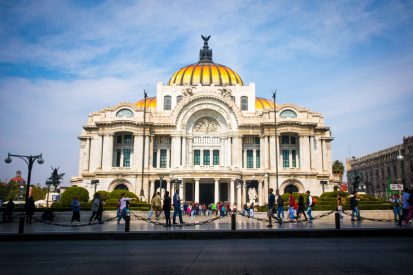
column 274, row 96
column 142, row 193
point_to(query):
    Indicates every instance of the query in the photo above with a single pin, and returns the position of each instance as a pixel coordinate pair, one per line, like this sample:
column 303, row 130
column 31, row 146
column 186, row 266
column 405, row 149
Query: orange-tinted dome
column 150, row 103
column 263, row 104
column 206, row 74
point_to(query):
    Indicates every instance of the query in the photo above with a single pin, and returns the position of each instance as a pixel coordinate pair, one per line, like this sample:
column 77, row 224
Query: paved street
column 253, row 256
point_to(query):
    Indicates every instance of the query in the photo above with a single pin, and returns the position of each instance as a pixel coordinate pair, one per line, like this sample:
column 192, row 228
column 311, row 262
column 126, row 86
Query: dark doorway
column 189, row 191
column 206, row 193
column 223, row 191
column 121, row 187
column 157, row 184
column 290, row 188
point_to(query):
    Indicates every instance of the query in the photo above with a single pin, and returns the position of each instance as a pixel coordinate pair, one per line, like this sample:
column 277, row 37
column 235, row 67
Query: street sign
column 398, row 187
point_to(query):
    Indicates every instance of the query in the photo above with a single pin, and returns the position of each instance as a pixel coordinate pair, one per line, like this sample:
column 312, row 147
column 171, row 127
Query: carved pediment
column 206, row 125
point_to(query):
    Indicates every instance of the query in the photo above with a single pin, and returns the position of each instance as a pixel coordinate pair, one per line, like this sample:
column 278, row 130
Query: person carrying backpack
column 300, row 209
column 280, row 208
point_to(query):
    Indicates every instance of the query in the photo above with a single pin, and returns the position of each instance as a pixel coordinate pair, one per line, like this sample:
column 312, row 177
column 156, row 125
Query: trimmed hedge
column 72, row 192
column 116, row 194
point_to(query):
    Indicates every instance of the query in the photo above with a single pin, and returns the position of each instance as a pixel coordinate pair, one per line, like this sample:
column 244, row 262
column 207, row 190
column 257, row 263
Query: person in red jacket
column 291, row 202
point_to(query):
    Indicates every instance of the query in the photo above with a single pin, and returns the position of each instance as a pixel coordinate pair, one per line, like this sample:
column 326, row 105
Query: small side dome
column 150, row 103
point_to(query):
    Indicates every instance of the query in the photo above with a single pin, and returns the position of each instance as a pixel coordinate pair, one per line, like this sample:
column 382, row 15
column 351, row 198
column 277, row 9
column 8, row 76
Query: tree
column 338, row 169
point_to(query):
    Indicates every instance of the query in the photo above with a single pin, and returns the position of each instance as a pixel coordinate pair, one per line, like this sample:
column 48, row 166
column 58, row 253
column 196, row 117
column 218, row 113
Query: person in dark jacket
column 8, row 212
column 300, row 209
column 29, row 207
column 167, row 208
column 354, row 207
column 75, row 210
column 271, row 207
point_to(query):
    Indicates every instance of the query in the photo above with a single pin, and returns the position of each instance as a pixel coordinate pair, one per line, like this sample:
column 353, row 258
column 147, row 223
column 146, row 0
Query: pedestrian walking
column 252, row 210
column 405, row 205
column 177, row 208
column 396, row 207
column 101, row 208
column 75, row 210
column 151, row 210
column 156, row 204
column 300, row 209
column 123, row 207
column 167, row 209
column 8, row 211
column 355, row 212
column 410, row 213
column 309, row 205
column 271, row 207
column 95, row 207
column 29, row 208
column 291, row 203
column 340, row 205
column 280, row 208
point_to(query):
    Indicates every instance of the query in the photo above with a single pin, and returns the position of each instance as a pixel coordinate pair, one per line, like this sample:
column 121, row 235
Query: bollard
column 21, row 225
column 337, row 220
column 127, row 222
column 233, row 221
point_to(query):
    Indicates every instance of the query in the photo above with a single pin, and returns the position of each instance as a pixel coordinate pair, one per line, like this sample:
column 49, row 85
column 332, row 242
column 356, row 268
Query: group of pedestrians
column 97, row 209
column 248, row 211
column 407, row 207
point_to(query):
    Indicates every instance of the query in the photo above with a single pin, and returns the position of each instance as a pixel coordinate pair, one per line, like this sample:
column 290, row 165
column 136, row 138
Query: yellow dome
column 205, row 74
column 150, row 103
column 263, row 104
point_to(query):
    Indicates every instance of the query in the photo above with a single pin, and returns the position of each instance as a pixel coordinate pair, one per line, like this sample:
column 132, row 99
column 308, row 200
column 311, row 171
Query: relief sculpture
column 206, row 125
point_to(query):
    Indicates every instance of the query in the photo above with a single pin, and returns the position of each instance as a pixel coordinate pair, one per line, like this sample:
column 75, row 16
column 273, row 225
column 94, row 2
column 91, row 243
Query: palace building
column 207, row 134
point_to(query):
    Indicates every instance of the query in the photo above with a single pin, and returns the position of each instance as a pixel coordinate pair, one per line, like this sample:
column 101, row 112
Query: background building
column 376, row 171
column 207, row 134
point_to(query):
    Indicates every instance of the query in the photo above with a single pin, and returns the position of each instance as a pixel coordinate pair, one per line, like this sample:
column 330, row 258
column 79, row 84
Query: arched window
column 124, row 113
column 178, row 99
column 167, row 102
column 288, row 114
column 121, row 187
column 244, row 103
column 290, row 187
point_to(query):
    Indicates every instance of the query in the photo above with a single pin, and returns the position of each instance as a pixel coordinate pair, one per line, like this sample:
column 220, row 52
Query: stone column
column 107, row 152
column 86, row 162
column 244, row 193
column 82, row 150
column 181, row 191
column 260, row 193
column 239, row 186
column 244, row 158
column 168, row 158
column 152, row 187
column 147, row 155
column 99, row 153
column 265, row 191
column 228, row 151
column 176, row 151
column 222, row 152
column 304, row 154
column 150, row 146
column 232, row 192
column 184, row 152
column 311, row 152
column 328, row 167
column 273, row 154
column 197, row 190
column 168, row 186
column 190, row 152
column 323, row 155
column 137, row 152
column 216, row 194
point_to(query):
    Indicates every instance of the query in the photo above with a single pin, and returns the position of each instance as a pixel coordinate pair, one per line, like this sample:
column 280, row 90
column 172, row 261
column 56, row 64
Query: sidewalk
column 221, row 227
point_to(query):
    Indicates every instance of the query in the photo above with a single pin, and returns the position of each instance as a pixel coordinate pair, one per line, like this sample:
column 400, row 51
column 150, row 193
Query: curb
column 216, row 234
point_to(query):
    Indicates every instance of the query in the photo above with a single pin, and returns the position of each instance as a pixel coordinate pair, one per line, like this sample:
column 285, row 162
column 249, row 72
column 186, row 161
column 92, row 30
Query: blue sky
column 352, row 61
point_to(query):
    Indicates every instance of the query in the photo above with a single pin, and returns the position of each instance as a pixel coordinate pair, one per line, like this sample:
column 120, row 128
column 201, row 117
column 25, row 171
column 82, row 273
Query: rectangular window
column 178, row 99
column 197, row 157
column 127, row 139
column 155, row 158
column 117, row 160
column 163, row 159
column 216, row 157
column 286, row 161
column 257, row 140
column 118, row 139
column 244, row 103
column 293, row 140
column 250, row 159
column 284, row 140
column 126, row 157
column 206, row 157
column 257, row 159
column 293, row 156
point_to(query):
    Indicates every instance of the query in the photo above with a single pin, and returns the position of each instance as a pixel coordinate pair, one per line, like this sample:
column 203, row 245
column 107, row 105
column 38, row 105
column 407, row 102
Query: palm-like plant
column 338, row 169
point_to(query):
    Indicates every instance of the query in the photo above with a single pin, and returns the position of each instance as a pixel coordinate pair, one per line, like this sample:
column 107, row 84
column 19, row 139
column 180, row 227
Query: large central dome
column 205, row 72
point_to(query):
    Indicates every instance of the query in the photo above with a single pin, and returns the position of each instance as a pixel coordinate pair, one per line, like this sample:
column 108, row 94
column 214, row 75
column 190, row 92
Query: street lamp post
column 29, row 161
column 95, row 183
column 401, row 159
column 274, row 95
column 142, row 193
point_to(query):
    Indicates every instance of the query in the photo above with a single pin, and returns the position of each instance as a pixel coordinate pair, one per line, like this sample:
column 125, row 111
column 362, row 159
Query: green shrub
column 104, row 195
column 330, row 195
column 72, row 192
column 116, row 194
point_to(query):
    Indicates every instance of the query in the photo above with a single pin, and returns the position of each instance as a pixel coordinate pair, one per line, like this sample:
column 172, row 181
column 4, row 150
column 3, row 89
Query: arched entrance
column 290, row 188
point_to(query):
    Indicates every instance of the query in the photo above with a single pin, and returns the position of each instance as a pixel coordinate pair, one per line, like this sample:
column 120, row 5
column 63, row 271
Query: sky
column 351, row 61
